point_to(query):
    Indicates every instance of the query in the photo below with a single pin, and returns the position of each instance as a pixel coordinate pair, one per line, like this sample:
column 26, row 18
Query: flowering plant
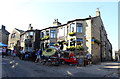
column 72, row 33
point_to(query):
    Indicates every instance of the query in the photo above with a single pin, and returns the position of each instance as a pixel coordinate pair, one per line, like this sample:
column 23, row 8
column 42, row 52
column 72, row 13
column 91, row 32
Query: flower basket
column 72, row 33
column 42, row 39
column 79, row 47
column 71, row 39
column 46, row 37
column 65, row 43
column 96, row 40
column 67, row 48
column 72, row 48
column 55, row 44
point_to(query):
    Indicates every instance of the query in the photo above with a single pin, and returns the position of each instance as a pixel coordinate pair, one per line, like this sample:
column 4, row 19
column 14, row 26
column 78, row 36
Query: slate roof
column 21, row 31
column 70, row 22
column 4, row 32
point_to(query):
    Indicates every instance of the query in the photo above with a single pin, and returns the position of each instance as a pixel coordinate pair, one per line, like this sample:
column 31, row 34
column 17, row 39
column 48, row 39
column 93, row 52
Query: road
column 22, row 68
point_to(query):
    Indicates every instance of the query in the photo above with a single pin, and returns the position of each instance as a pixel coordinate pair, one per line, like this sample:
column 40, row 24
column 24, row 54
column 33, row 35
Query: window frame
column 72, row 27
column 81, row 42
column 79, row 29
column 42, row 34
column 52, row 33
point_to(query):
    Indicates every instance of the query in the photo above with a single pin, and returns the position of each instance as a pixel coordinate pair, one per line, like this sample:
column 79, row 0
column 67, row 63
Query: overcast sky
column 20, row 13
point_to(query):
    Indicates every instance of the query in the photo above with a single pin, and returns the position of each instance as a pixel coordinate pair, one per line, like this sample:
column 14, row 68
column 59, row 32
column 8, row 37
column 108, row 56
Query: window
column 42, row 35
column 46, row 45
column 72, row 27
column 79, row 27
column 11, row 44
column 68, row 27
column 13, row 35
column 22, row 38
column 52, row 44
column 53, row 34
column 61, row 32
column 47, row 32
column 31, row 33
column 79, row 41
column 72, row 43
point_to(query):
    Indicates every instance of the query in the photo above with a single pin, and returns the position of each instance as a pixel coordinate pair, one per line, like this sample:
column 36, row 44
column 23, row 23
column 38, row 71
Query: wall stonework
column 12, row 42
column 4, row 34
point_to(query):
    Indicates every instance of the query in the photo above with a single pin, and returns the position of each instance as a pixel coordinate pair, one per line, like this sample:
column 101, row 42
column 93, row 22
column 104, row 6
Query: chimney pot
column 3, row 27
column 97, row 12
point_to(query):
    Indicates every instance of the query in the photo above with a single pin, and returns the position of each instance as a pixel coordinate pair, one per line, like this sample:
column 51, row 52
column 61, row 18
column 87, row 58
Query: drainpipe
column 100, row 45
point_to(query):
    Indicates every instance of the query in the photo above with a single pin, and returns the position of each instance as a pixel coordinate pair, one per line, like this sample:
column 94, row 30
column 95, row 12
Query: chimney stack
column 56, row 23
column 97, row 12
column 30, row 27
column 3, row 27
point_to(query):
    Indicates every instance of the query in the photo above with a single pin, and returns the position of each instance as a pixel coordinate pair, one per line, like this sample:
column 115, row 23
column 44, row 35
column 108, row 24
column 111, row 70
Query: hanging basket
column 72, row 33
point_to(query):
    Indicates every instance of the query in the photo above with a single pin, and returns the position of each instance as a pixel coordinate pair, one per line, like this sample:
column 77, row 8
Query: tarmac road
column 22, row 68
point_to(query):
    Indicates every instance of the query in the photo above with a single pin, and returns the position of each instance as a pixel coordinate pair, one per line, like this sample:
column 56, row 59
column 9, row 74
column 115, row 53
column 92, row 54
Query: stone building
column 89, row 33
column 117, row 55
column 82, row 35
column 49, row 35
column 14, row 38
column 4, row 34
column 30, row 39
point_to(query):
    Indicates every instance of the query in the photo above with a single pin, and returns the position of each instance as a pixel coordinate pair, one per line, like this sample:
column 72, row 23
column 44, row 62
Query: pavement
column 22, row 68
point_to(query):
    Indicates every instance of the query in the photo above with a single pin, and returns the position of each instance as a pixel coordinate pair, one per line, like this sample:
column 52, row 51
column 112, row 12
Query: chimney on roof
column 56, row 23
column 97, row 12
column 89, row 16
column 30, row 27
column 3, row 27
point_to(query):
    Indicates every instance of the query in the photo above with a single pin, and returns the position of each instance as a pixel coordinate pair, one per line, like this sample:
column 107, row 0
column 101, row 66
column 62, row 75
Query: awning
column 2, row 44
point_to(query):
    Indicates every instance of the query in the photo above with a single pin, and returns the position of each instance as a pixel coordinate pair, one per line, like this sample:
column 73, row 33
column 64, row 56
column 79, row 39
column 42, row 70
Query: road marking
column 16, row 64
column 13, row 66
column 112, row 67
column 68, row 72
column 11, row 62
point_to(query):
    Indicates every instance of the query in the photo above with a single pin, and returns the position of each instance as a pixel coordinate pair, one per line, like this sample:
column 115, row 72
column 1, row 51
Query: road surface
column 22, row 68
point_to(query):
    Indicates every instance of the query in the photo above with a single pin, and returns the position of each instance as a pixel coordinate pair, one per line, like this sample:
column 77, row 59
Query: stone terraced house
column 14, row 38
column 78, row 35
column 4, row 35
column 88, row 33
